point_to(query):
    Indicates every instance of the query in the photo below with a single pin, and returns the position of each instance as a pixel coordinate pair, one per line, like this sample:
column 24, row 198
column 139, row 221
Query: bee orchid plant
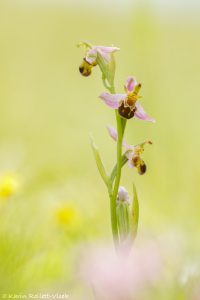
column 124, row 212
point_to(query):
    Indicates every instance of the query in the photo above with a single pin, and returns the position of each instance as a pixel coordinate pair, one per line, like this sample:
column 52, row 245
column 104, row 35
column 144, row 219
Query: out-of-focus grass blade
column 135, row 213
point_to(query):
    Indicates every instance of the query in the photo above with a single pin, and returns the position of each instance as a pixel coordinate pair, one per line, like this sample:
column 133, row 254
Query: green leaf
column 123, row 220
column 134, row 213
column 99, row 162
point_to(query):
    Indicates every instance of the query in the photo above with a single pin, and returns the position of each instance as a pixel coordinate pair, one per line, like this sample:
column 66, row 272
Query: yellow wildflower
column 8, row 185
column 68, row 215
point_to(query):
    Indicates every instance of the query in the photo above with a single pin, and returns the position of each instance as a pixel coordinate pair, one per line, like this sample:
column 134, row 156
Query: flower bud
column 123, row 214
column 123, row 195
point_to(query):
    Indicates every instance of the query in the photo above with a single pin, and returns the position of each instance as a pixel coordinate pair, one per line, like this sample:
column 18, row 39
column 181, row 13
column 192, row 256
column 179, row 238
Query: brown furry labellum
column 126, row 112
column 139, row 164
column 142, row 168
column 86, row 68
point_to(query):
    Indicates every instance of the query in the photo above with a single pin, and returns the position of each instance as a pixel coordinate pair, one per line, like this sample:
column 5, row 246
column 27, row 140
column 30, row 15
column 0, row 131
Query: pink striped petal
column 112, row 100
column 105, row 55
column 107, row 49
column 130, row 84
column 113, row 134
column 105, row 52
column 141, row 114
column 91, row 56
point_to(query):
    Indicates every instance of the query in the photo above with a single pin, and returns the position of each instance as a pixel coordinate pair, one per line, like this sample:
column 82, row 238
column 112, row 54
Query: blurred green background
column 48, row 110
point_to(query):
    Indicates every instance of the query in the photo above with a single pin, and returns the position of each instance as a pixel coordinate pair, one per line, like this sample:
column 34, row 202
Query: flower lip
column 142, row 168
column 81, row 69
column 126, row 111
column 85, row 68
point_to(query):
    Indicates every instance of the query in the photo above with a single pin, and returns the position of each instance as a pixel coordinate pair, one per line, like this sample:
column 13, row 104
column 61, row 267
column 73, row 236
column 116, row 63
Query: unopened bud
column 123, row 195
column 123, row 214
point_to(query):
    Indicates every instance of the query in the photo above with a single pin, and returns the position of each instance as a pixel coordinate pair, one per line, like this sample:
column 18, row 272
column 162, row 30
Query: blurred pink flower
column 127, row 104
column 121, row 276
column 196, row 293
column 132, row 152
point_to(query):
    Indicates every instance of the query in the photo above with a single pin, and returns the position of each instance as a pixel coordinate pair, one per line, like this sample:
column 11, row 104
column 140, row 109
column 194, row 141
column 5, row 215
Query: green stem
column 119, row 166
column 117, row 179
column 121, row 124
column 124, row 160
column 112, row 194
column 123, row 121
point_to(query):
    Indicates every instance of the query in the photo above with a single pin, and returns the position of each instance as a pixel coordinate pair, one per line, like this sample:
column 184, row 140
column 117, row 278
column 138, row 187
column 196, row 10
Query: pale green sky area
column 157, row 4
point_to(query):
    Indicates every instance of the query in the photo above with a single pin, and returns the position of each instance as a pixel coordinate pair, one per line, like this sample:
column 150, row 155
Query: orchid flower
column 127, row 104
column 90, row 59
column 132, row 152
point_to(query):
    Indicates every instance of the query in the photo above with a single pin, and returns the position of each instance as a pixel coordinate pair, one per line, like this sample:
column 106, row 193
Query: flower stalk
column 121, row 124
column 118, row 176
column 124, row 215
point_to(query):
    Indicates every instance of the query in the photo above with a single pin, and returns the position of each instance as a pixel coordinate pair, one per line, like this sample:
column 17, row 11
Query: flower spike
column 124, row 212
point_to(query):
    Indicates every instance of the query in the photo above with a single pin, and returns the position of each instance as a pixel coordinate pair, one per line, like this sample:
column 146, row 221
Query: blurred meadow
column 48, row 110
